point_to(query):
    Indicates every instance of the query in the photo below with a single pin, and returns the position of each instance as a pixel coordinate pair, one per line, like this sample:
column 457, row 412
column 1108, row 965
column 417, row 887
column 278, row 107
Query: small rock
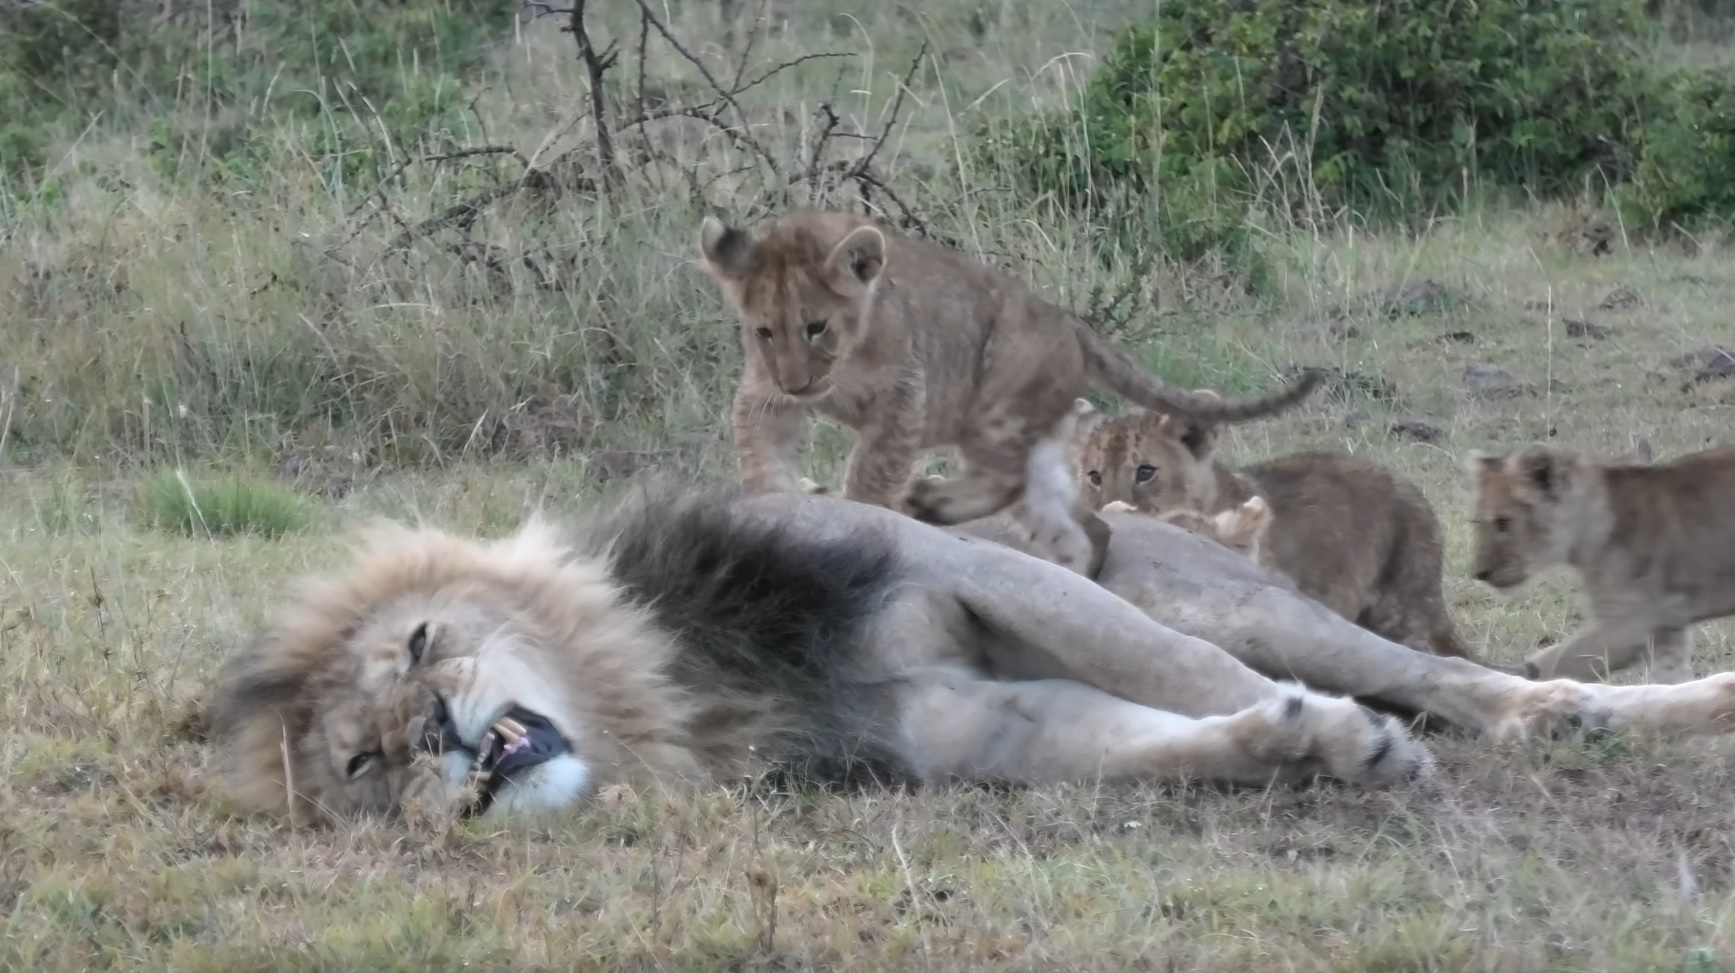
column 613, row 464
column 1344, row 382
column 1414, row 297
column 1706, row 364
column 1491, row 381
column 1620, row 299
column 1356, row 417
column 1418, row 430
column 1580, row 328
column 1722, row 366
column 1591, row 233
column 1459, row 337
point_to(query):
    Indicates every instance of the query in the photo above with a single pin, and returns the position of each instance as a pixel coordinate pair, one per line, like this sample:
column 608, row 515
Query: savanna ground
column 237, row 316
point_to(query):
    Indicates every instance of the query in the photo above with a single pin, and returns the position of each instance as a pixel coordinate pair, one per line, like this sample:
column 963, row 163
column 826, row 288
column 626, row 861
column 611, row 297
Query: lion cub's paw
column 1069, row 544
column 1340, row 738
column 935, row 500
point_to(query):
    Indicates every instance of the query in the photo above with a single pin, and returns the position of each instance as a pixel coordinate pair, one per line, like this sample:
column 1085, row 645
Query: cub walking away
column 1654, row 546
column 916, row 346
column 1352, row 535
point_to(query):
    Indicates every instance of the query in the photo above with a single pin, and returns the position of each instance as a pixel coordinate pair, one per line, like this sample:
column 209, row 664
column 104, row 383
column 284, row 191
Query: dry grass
column 1614, row 856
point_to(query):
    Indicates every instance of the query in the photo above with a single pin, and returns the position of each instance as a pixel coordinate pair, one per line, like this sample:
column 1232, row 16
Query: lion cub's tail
column 1108, row 367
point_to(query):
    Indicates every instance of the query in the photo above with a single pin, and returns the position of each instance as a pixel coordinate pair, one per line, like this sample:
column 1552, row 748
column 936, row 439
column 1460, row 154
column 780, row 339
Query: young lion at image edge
column 914, row 346
column 1653, row 544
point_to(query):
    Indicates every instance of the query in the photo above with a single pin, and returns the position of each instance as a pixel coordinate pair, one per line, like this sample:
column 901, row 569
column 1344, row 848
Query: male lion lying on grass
column 686, row 636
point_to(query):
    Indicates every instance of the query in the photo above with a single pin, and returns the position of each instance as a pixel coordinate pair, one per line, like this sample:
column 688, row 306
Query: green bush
column 1687, row 153
column 1389, row 109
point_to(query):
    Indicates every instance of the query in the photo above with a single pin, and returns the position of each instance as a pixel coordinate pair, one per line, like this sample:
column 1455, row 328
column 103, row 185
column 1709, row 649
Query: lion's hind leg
column 957, row 725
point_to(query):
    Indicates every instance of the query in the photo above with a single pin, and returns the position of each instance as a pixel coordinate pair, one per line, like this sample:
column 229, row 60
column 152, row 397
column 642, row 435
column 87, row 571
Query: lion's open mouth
column 516, row 742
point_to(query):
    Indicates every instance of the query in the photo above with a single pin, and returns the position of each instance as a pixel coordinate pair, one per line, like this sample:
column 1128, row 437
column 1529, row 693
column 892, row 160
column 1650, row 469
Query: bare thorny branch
column 607, row 170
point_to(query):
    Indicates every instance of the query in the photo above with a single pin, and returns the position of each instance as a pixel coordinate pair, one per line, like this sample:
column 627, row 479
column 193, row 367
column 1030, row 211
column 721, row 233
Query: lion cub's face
column 1149, row 461
column 1525, row 514
column 803, row 300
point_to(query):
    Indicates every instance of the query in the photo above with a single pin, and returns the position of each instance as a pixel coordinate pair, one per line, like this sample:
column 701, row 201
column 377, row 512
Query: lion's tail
column 1108, row 367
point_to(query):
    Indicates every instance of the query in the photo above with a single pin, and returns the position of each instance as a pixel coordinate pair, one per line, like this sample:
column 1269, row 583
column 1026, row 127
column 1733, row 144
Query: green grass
column 165, row 319
column 222, row 506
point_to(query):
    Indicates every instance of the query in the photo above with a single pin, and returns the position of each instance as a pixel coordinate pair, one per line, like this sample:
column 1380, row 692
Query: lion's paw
column 1342, row 739
column 934, row 500
column 1557, row 709
column 1064, row 542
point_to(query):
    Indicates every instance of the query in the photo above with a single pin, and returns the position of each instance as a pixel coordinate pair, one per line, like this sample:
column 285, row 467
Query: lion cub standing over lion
column 1353, row 536
column 1653, row 544
column 915, row 346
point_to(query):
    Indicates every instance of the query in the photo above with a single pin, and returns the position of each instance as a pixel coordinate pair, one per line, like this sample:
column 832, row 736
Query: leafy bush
column 1388, row 108
column 1687, row 153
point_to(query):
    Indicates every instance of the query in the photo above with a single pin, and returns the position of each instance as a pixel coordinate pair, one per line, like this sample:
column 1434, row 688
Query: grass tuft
column 222, row 506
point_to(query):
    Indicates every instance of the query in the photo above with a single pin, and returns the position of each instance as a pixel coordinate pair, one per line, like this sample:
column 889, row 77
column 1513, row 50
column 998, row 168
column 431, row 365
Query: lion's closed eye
column 419, row 640
column 361, row 763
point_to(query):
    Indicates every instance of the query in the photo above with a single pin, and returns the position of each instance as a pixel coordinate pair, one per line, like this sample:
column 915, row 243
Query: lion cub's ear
column 1199, row 439
column 1641, row 451
column 1085, row 418
column 1543, row 469
column 855, row 263
column 1478, row 463
column 728, row 252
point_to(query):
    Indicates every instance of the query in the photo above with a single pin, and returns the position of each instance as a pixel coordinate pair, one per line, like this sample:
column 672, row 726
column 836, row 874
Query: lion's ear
column 1085, row 420
column 1477, row 462
column 1198, row 438
column 856, row 262
column 728, row 252
column 1641, row 451
column 1543, row 470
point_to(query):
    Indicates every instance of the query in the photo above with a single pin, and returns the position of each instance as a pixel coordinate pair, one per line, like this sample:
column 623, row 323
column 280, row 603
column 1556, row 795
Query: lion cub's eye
column 1095, row 478
column 815, row 329
column 418, row 644
column 1144, row 474
column 763, row 333
column 360, row 764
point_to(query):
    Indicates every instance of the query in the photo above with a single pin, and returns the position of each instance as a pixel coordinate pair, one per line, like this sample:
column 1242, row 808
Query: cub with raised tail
column 915, row 346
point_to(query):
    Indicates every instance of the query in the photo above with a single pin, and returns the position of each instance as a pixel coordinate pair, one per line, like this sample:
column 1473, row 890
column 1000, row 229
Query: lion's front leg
column 767, row 441
column 1671, row 655
column 1059, row 731
column 1592, row 655
column 883, row 461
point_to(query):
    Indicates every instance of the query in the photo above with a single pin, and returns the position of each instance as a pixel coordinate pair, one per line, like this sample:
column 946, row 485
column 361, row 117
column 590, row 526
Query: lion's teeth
column 510, row 729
